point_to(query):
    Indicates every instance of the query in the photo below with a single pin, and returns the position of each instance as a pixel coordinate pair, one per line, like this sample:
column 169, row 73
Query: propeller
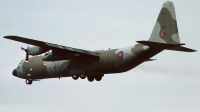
column 26, row 50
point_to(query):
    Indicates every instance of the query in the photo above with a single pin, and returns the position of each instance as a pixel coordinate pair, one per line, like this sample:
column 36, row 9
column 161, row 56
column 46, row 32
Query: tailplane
column 174, row 47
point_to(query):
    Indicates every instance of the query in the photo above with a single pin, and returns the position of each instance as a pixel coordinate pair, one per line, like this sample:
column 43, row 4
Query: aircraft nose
column 14, row 72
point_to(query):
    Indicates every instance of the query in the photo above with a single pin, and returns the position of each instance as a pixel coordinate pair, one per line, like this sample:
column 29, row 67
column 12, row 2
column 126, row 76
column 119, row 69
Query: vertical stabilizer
column 165, row 29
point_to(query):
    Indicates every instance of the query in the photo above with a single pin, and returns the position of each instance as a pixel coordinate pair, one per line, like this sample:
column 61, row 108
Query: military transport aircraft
column 63, row 61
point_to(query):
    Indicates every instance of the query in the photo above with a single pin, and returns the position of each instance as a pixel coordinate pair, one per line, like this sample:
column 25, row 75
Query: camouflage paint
column 99, row 62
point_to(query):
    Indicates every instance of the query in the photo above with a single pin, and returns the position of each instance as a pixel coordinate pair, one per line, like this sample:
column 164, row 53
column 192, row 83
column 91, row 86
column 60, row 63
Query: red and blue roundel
column 120, row 54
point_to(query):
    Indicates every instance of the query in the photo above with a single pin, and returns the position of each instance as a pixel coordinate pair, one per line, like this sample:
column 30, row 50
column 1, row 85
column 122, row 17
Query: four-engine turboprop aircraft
column 63, row 61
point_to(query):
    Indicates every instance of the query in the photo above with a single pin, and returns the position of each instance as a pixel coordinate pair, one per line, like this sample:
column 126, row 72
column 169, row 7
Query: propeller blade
column 23, row 49
column 27, row 56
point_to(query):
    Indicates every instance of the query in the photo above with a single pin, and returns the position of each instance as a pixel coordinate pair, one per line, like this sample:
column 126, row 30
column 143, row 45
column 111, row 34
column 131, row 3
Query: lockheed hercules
column 63, row 61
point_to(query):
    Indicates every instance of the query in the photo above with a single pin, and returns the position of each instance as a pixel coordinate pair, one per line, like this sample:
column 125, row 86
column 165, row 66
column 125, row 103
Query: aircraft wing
column 59, row 49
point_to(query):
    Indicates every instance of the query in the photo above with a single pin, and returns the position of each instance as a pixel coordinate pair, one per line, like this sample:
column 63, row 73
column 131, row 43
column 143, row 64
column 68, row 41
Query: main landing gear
column 83, row 76
column 90, row 77
column 75, row 77
column 29, row 82
column 96, row 77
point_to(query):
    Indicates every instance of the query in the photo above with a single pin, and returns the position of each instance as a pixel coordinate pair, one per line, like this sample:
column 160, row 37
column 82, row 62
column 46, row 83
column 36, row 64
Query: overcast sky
column 169, row 84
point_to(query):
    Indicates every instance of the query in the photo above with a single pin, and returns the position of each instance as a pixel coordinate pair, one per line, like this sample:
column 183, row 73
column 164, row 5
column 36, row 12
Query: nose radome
column 14, row 72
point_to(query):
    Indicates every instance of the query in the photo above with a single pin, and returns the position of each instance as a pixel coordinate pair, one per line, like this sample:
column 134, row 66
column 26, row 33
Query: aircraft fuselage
column 110, row 61
column 64, row 61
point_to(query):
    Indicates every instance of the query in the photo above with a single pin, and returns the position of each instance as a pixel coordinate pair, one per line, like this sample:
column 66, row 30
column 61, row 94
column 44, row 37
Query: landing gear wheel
column 82, row 76
column 90, row 78
column 29, row 82
column 75, row 77
column 98, row 78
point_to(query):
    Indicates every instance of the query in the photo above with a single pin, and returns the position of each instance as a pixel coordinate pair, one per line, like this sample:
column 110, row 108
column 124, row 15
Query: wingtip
column 10, row 36
column 5, row 36
column 194, row 50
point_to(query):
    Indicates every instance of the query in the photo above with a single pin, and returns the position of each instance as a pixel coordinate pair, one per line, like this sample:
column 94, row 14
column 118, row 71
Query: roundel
column 120, row 54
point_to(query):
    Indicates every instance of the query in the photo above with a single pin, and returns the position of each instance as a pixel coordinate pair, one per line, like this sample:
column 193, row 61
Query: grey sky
column 171, row 83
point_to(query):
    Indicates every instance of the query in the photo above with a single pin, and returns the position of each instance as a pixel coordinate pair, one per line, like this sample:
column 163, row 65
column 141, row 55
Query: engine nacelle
column 36, row 50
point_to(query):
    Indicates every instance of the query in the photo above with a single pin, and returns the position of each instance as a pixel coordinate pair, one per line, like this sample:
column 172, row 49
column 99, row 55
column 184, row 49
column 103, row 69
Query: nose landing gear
column 29, row 82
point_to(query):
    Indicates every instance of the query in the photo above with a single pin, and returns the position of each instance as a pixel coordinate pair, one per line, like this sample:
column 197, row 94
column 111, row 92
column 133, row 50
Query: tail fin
column 165, row 29
column 165, row 32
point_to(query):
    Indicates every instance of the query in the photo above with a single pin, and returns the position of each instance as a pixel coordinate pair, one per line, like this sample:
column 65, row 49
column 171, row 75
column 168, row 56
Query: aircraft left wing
column 57, row 49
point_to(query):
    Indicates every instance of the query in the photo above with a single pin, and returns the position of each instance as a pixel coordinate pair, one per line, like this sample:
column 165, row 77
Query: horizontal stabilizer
column 174, row 47
column 158, row 45
column 181, row 48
